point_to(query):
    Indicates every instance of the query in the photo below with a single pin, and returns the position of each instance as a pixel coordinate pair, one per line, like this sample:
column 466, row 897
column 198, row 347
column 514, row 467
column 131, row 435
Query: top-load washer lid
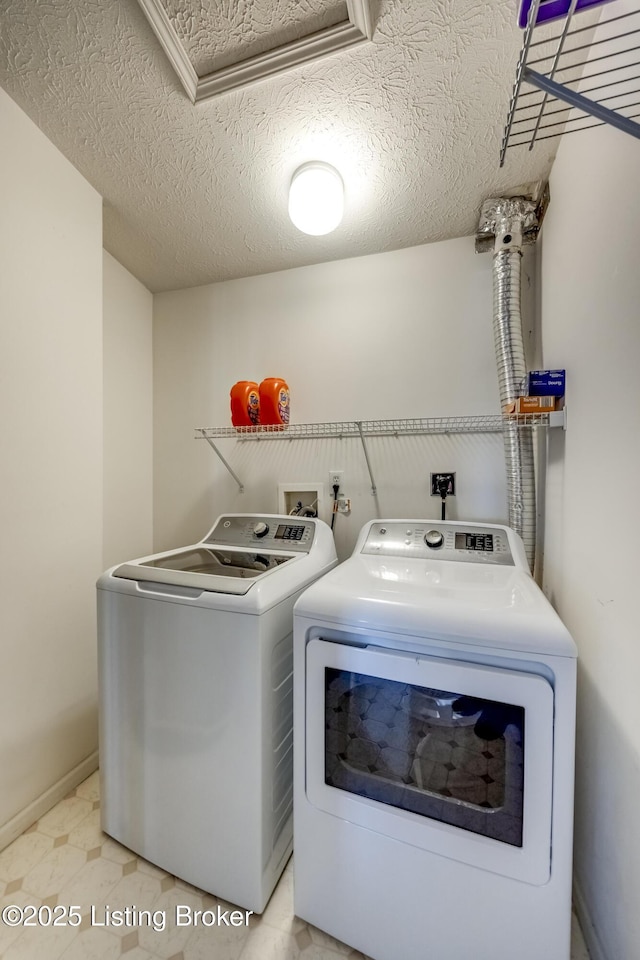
column 240, row 550
column 218, row 570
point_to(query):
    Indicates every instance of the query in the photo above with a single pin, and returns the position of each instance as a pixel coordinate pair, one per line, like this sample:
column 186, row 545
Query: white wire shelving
column 365, row 429
column 484, row 423
column 599, row 78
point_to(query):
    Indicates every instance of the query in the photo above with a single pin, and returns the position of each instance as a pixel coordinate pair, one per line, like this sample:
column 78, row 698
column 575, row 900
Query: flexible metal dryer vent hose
column 509, row 222
column 509, row 348
column 518, row 441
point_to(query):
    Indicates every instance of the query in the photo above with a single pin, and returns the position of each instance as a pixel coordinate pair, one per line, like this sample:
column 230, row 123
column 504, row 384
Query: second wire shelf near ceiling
column 599, row 77
column 363, row 429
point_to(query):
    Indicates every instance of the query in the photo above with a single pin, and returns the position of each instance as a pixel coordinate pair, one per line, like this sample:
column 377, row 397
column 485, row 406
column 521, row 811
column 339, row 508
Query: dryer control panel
column 433, row 540
column 277, row 533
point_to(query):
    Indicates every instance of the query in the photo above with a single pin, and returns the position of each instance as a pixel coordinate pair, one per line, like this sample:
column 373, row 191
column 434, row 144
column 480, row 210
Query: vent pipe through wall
column 512, row 222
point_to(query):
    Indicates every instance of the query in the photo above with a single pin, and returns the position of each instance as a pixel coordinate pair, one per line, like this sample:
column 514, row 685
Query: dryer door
column 450, row 756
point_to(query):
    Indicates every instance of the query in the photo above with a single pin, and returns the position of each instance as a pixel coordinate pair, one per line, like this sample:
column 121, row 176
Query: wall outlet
column 335, row 476
column 440, row 478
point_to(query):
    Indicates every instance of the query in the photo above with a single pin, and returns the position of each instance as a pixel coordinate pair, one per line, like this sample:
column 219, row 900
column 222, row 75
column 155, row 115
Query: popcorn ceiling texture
column 194, row 194
column 216, row 34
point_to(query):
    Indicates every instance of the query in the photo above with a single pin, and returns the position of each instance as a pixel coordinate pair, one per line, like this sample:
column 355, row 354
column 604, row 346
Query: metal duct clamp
column 498, row 215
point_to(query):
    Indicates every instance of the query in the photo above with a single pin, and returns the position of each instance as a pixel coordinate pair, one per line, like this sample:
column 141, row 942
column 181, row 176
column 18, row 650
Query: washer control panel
column 277, row 533
column 431, row 540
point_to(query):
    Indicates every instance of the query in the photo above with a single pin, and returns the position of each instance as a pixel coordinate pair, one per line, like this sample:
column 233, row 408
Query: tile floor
column 65, row 859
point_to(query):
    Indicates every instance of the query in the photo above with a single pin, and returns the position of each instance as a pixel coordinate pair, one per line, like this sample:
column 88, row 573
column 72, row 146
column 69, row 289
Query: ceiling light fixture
column 316, row 198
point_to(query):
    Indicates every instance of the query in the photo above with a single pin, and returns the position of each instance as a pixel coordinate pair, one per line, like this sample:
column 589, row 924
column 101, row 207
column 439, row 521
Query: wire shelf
column 568, row 72
column 381, row 428
column 364, row 429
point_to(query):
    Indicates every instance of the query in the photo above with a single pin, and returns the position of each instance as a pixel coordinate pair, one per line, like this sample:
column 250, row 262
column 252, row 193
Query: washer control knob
column 433, row 539
column 261, row 529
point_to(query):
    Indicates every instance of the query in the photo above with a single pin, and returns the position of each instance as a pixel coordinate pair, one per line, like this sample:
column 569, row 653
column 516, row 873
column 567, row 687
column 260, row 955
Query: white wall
column 394, row 335
column 51, row 467
column 591, row 326
column 128, row 418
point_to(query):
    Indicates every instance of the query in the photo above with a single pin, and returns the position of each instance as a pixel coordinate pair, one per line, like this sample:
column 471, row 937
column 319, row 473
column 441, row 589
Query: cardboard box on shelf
column 523, row 405
column 545, row 383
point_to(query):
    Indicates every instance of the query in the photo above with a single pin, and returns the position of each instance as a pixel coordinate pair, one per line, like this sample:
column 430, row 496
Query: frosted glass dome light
column 316, row 198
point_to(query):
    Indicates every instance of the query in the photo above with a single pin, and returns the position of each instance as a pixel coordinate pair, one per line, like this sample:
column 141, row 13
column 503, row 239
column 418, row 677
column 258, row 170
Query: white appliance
column 196, row 691
column 434, row 716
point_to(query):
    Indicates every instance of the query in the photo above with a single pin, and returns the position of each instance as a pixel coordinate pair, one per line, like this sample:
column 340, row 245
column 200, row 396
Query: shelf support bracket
column 215, row 449
column 574, row 99
column 374, row 489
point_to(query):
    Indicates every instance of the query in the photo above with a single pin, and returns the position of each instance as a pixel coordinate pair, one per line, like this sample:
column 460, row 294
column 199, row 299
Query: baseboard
column 591, row 939
column 11, row 830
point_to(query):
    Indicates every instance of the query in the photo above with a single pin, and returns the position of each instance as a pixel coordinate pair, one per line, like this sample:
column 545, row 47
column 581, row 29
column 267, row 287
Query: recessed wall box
column 301, row 498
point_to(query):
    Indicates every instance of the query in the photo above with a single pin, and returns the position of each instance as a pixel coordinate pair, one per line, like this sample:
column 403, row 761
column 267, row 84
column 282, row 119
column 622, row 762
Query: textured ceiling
column 216, row 34
column 196, row 193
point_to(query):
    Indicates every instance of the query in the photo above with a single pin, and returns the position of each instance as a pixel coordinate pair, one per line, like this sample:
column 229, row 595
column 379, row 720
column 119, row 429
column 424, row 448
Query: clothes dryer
column 196, row 690
column 434, row 714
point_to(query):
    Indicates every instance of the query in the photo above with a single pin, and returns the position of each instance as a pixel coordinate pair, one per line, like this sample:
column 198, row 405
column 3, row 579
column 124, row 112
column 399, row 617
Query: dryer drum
column 381, row 743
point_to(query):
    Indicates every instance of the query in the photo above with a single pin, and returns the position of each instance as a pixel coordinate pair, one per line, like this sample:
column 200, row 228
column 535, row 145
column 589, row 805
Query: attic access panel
column 212, row 52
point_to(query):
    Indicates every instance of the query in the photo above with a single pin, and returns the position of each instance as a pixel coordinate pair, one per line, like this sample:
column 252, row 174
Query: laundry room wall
column 51, row 504
column 128, row 415
column 590, row 296
column 394, row 335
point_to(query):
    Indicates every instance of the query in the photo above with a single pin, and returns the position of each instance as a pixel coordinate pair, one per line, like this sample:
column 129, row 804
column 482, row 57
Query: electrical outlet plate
column 335, row 476
column 435, row 483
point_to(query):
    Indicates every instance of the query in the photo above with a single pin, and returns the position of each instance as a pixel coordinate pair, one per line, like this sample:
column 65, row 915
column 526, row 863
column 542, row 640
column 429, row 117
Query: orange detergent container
column 274, row 402
column 245, row 404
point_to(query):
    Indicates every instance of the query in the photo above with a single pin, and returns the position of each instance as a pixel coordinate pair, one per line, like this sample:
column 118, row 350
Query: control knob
column 261, row 529
column 433, row 539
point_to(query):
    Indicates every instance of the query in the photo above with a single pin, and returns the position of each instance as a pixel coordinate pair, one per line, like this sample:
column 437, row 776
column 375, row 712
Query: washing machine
column 196, row 701
column 434, row 719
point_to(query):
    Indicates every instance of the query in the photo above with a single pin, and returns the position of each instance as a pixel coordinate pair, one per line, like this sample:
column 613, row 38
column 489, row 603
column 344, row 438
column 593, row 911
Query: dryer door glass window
column 452, row 757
